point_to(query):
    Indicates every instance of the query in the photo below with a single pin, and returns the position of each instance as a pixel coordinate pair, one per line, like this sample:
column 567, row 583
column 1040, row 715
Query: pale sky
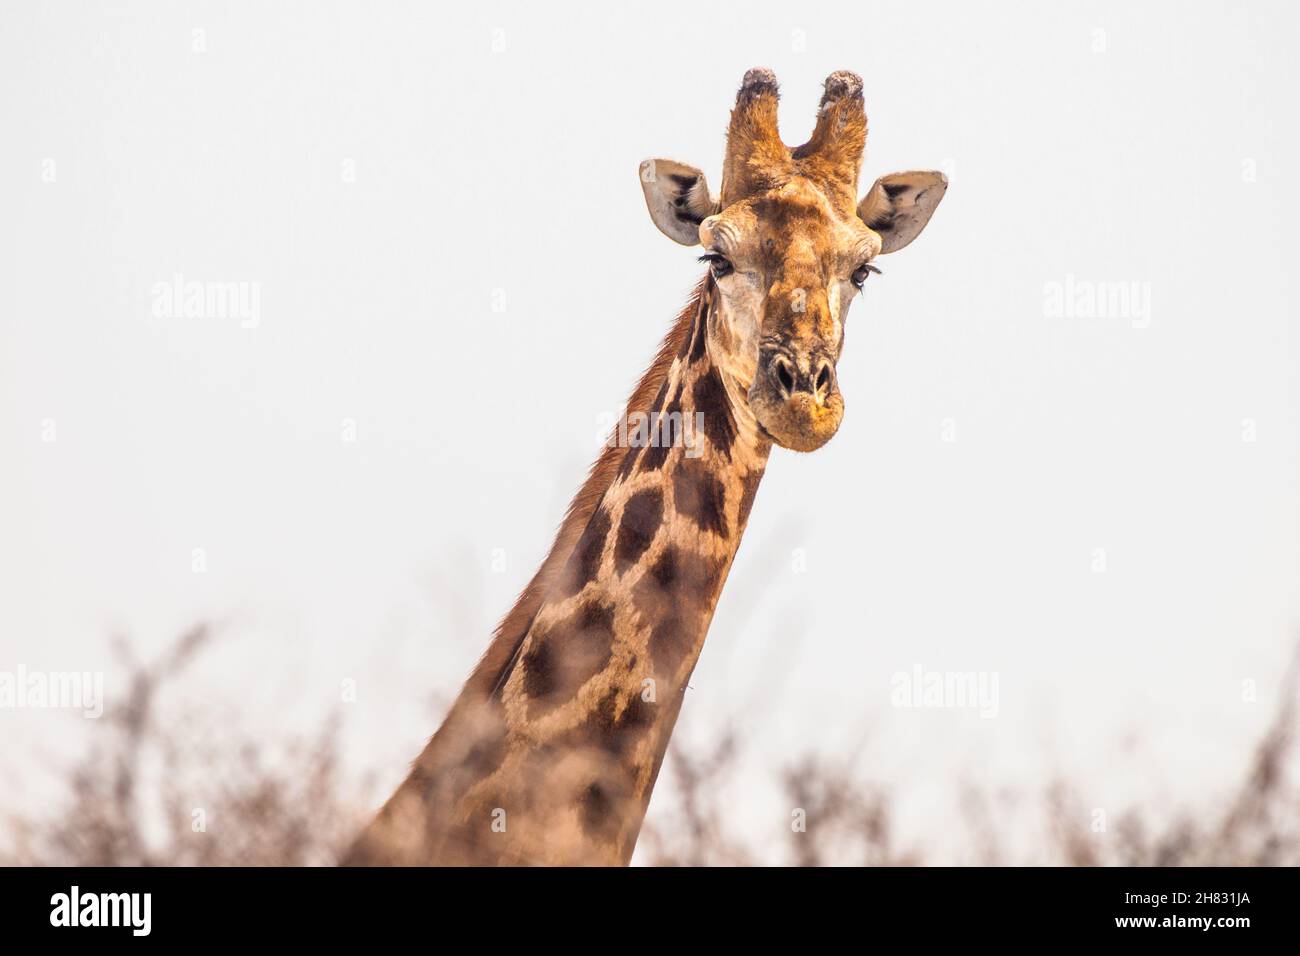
column 439, row 210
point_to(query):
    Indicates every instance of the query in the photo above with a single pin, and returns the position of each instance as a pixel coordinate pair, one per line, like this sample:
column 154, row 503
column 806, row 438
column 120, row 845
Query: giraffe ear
column 899, row 205
column 678, row 199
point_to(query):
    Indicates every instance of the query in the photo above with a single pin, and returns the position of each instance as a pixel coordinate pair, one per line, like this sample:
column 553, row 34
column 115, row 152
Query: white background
column 496, row 148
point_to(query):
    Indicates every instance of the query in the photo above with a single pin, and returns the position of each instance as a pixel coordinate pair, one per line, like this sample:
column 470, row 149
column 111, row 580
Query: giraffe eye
column 861, row 272
column 719, row 264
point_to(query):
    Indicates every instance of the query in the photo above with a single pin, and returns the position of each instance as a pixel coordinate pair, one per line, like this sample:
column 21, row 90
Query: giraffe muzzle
column 796, row 397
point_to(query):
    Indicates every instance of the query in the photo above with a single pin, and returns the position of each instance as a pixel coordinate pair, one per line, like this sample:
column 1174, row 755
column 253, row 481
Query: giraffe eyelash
column 719, row 264
column 863, row 270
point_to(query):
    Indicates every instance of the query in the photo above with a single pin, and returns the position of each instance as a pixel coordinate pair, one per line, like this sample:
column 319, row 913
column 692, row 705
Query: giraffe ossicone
column 550, row 753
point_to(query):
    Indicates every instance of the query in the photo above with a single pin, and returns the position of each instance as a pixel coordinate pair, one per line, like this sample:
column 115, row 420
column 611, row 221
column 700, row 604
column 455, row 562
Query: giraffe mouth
column 795, row 398
column 798, row 422
column 809, row 434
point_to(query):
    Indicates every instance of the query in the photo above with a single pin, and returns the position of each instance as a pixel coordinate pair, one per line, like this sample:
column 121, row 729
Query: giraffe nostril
column 784, row 374
column 825, row 379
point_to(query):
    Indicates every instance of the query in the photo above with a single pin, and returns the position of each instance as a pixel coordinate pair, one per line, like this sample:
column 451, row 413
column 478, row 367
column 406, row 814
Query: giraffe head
column 789, row 246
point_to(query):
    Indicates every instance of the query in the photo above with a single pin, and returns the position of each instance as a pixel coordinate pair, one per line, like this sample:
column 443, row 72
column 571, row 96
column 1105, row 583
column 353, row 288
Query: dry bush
column 1259, row 827
column 131, row 800
column 848, row 819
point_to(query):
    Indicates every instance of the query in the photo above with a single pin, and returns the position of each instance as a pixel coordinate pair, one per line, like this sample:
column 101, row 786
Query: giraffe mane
column 486, row 677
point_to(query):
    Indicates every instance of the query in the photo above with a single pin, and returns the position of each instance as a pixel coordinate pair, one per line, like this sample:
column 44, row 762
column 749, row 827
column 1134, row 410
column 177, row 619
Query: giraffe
column 551, row 751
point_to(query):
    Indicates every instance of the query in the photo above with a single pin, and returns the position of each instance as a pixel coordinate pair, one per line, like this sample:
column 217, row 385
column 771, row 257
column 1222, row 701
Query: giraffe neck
column 556, row 762
column 598, row 682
